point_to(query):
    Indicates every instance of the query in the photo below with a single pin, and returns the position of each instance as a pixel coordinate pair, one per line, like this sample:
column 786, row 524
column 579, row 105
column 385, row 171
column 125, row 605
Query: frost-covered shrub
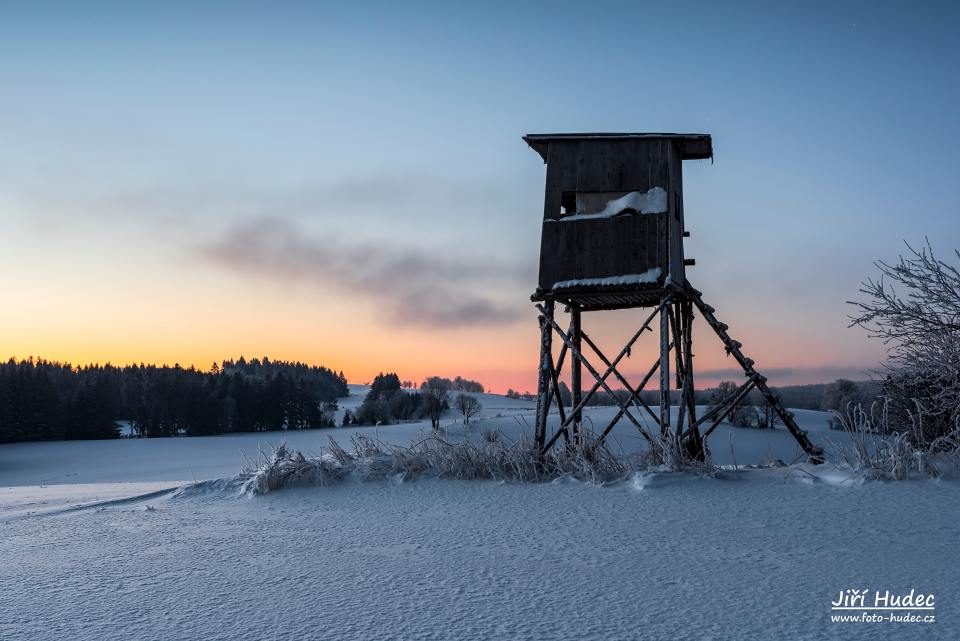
column 893, row 454
column 490, row 435
column 743, row 416
column 289, row 468
column 914, row 307
column 434, row 456
column 914, row 397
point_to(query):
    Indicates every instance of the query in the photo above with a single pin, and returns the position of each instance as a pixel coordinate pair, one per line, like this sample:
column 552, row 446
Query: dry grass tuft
column 434, row 456
column 884, row 453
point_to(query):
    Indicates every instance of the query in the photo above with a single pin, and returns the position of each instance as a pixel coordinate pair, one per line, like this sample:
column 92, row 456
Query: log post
column 676, row 325
column 576, row 371
column 544, row 375
column 665, row 368
column 695, row 447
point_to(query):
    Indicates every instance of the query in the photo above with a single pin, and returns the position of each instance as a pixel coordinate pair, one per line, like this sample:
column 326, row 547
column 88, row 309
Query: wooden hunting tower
column 613, row 213
column 613, row 230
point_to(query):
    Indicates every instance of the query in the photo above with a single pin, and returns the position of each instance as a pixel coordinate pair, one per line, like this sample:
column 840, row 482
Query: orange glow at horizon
column 162, row 309
column 499, row 357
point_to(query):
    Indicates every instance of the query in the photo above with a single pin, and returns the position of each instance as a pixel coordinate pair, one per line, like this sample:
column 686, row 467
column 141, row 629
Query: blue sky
column 145, row 145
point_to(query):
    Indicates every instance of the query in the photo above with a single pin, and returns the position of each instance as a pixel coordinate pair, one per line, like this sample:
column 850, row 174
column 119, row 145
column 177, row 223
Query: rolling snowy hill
column 100, row 543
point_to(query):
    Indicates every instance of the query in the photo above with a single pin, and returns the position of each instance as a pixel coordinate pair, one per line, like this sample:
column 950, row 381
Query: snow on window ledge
column 653, row 201
column 648, row 277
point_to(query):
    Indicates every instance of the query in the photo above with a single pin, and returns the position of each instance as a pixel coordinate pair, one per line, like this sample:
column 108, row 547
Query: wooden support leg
column 695, row 443
column 555, row 389
column 576, row 370
column 544, row 375
column 677, row 328
column 676, row 325
column 665, row 369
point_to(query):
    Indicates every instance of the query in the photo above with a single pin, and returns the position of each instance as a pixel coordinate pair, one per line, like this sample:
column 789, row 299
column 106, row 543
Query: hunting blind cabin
column 613, row 230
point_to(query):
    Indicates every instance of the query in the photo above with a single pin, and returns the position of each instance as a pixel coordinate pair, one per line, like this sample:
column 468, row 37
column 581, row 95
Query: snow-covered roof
column 692, row 146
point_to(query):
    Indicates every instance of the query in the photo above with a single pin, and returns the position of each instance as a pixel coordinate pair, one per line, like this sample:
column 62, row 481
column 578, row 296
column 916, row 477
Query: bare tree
column 741, row 414
column 723, row 393
column 914, row 308
column 467, row 405
column 767, row 415
column 841, row 393
column 436, row 393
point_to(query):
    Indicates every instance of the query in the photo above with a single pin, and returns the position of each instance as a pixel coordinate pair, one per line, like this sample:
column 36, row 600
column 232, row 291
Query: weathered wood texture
column 544, row 373
column 620, row 245
column 576, row 373
column 675, row 227
column 604, row 165
column 665, row 367
column 601, row 248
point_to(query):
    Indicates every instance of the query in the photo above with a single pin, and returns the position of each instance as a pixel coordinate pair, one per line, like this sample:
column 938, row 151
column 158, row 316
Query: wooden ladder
column 759, row 381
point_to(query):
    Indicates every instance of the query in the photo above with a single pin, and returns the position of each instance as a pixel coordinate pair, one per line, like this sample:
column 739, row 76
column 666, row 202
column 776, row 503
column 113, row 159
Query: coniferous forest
column 44, row 400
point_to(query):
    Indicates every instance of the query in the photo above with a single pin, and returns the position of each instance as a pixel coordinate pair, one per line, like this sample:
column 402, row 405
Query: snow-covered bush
column 922, row 392
column 881, row 452
column 914, row 307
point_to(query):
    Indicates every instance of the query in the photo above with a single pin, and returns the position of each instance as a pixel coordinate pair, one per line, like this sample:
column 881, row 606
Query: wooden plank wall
column 603, row 247
column 614, row 246
column 611, row 165
column 675, row 196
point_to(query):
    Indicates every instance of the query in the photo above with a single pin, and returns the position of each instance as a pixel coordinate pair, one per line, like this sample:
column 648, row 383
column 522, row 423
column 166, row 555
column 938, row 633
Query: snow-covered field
column 206, row 457
column 94, row 547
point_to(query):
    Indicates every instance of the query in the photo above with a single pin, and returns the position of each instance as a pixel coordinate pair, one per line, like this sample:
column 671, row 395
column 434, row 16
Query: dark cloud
column 417, row 288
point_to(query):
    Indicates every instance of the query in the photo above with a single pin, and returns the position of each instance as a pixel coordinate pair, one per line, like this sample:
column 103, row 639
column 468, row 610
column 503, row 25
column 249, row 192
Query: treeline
column 388, row 402
column 44, row 400
column 456, row 384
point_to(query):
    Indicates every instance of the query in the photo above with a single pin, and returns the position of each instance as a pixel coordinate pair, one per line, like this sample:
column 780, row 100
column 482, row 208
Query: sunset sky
column 345, row 184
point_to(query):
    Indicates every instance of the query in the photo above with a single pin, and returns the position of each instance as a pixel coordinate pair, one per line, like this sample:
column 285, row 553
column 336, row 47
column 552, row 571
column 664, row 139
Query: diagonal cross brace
column 730, row 405
column 576, row 353
column 555, row 392
column 634, row 395
column 619, row 415
column 611, row 366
